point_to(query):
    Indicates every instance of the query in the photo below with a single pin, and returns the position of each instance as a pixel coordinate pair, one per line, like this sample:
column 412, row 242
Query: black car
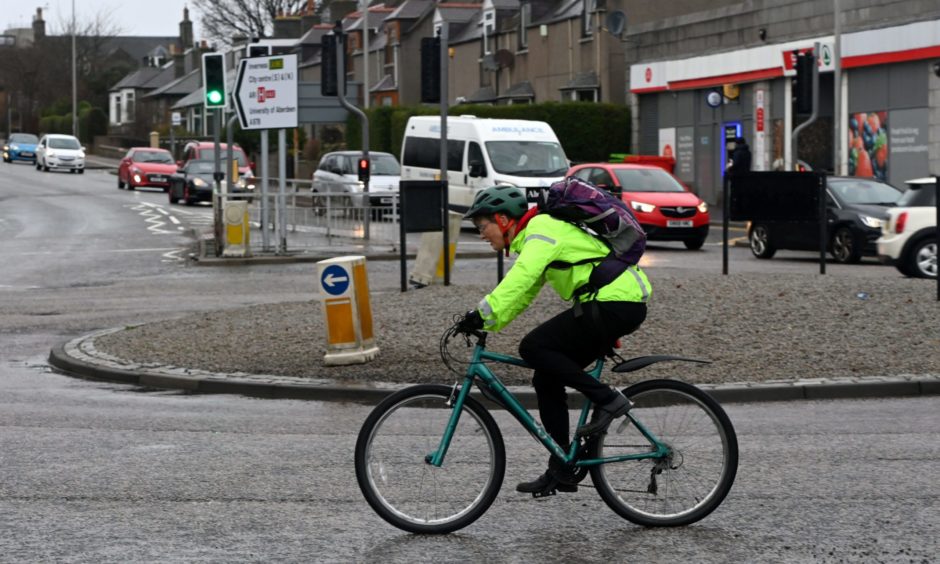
column 193, row 183
column 856, row 209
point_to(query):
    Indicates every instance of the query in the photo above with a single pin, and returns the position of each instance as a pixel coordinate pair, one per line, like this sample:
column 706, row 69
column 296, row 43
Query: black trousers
column 563, row 346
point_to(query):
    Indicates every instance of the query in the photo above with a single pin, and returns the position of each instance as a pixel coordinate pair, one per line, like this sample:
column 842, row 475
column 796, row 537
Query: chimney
column 179, row 62
column 39, row 26
column 286, row 27
column 186, row 30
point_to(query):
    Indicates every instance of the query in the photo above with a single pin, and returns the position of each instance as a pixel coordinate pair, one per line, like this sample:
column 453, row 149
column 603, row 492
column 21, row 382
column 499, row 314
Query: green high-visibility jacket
column 544, row 240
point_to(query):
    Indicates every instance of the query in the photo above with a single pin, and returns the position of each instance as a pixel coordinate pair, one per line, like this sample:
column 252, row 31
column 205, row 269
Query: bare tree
column 224, row 19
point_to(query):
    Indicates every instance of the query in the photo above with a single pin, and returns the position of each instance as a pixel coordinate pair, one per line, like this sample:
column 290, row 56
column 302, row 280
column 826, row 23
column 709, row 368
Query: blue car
column 20, row 147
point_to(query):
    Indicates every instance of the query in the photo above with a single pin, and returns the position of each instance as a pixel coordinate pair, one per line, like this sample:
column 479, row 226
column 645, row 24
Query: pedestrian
column 562, row 254
column 740, row 156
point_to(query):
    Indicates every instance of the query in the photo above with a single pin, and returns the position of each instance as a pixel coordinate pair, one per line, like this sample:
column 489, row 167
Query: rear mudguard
column 644, row 361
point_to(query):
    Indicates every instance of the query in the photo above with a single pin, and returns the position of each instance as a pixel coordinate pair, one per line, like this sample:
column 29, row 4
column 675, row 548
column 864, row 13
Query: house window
column 489, row 31
column 582, row 95
column 587, row 18
column 525, row 18
column 127, row 107
column 115, row 113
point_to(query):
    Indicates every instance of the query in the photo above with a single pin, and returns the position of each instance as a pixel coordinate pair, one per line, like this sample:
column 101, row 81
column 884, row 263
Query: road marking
column 174, row 220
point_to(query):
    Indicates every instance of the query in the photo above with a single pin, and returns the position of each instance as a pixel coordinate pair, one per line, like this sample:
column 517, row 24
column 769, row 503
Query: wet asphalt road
column 96, row 472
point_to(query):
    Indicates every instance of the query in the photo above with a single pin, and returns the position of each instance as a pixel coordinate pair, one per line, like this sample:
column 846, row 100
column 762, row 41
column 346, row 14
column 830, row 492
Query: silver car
column 337, row 174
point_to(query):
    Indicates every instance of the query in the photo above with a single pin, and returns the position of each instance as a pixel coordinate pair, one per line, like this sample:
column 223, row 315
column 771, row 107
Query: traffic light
column 803, row 89
column 363, row 167
column 431, row 70
column 213, row 79
column 328, row 86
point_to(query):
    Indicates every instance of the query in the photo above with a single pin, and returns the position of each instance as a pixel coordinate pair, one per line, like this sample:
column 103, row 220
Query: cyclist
column 563, row 346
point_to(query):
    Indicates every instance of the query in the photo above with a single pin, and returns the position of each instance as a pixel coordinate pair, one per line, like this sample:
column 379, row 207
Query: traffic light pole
column 217, row 176
column 812, row 116
column 444, row 186
column 341, row 94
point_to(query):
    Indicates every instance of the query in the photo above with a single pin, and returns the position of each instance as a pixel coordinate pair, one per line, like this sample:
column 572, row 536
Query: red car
column 146, row 166
column 665, row 208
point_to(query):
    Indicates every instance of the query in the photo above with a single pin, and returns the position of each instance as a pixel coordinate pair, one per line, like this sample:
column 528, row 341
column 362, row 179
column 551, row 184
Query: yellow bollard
column 154, row 139
column 344, row 286
column 429, row 263
column 237, row 232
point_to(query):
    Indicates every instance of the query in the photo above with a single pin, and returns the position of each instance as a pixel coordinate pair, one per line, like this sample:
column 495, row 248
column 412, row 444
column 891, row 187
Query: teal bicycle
column 431, row 459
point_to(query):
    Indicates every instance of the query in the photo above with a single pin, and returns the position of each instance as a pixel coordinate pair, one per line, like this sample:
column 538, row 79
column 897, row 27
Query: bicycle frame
column 478, row 369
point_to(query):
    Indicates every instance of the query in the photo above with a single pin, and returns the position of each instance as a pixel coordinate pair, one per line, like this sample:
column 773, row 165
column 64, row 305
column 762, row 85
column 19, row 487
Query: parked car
column 205, row 151
column 146, row 166
column 856, row 208
column 667, row 210
column 908, row 237
column 337, row 173
column 56, row 151
column 20, row 147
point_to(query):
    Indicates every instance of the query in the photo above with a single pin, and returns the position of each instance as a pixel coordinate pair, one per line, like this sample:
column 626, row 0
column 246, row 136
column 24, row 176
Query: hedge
column 588, row 132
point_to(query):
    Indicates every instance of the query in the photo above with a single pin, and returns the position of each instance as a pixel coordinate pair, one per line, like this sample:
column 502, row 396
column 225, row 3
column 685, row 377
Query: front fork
column 458, row 395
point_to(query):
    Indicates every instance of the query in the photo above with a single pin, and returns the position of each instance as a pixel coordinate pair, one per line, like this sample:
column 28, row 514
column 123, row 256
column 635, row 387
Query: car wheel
column 45, row 167
column 844, row 246
column 922, row 258
column 694, row 244
column 120, row 183
column 759, row 239
column 38, row 167
column 186, row 198
column 171, row 196
column 82, row 171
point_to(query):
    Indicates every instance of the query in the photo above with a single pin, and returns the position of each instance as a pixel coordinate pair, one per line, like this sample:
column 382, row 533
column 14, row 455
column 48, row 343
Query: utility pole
column 838, row 131
column 74, row 79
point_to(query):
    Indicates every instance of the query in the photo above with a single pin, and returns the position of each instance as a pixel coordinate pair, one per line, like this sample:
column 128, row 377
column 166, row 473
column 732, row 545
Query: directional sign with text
column 335, row 280
column 266, row 92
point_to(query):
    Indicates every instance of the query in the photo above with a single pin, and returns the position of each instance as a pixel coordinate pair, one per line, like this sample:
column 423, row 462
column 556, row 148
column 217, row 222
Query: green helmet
column 501, row 198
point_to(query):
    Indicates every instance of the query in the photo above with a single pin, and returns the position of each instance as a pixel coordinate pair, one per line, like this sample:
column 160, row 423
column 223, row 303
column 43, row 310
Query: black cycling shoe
column 559, row 476
column 546, row 484
column 604, row 414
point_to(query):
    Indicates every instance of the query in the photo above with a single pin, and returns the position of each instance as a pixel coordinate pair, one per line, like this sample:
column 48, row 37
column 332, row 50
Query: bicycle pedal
column 545, row 493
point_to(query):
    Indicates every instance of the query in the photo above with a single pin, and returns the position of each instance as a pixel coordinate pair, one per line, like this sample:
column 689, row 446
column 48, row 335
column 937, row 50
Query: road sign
column 266, row 92
column 335, row 280
column 176, row 119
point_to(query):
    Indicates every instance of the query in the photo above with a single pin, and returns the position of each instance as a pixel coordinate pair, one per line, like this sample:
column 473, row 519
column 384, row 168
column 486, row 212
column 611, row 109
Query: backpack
column 603, row 215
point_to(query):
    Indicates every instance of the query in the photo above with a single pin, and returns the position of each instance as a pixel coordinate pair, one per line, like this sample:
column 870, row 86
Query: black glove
column 470, row 322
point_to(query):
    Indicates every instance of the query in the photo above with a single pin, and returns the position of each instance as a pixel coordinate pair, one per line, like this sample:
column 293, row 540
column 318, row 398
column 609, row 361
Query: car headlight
column 81, row 154
column 50, row 153
column 199, row 182
column 870, row 221
column 642, row 207
column 244, row 184
column 7, row 148
column 136, row 177
column 702, row 208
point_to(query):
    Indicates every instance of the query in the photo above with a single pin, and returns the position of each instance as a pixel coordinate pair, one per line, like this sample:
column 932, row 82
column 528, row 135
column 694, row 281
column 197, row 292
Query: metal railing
column 316, row 219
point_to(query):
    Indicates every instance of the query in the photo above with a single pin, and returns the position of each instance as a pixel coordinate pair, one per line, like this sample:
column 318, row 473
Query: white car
column 337, row 173
column 62, row 152
column 908, row 237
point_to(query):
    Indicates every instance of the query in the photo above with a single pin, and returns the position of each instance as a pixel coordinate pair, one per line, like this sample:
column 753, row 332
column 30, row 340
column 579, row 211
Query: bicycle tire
column 407, row 491
column 683, row 487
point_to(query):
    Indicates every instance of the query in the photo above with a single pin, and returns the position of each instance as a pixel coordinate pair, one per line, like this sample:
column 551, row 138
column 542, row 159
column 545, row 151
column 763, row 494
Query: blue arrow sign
column 335, row 280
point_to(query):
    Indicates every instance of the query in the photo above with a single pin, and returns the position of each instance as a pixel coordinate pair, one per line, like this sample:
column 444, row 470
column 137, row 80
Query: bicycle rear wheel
column 406, row 490
column 691, row 480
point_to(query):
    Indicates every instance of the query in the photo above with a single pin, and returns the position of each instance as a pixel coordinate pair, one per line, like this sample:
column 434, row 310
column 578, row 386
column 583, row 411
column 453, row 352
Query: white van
column 482, row 152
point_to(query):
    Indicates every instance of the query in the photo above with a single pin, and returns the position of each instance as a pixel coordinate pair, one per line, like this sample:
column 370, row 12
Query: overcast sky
column 130, row 17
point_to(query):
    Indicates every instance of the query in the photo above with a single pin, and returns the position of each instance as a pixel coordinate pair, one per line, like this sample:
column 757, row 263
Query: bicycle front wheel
column 397, row 480
column 686, row 484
